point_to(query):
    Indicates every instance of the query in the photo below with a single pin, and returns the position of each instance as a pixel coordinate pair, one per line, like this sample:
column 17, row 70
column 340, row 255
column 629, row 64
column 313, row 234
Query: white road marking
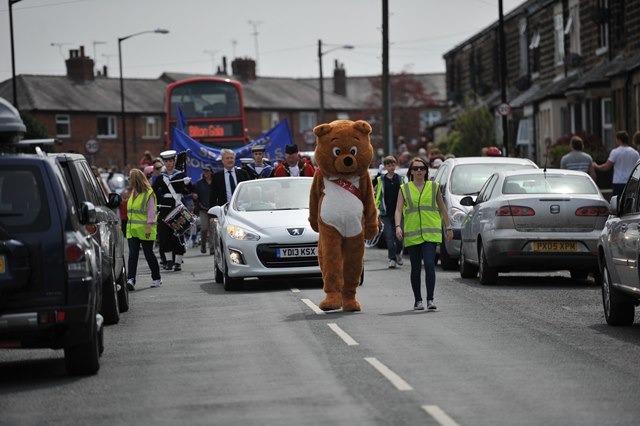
column 395, row 380
column 566, row 308
column 313, row 306
column 439, row 415
column 343, row 335
column 295, row 290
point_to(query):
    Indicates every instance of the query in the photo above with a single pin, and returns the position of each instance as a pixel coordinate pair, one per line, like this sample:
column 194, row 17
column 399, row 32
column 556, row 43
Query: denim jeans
column 134, row 253
column 394, row 246
column 425, row 252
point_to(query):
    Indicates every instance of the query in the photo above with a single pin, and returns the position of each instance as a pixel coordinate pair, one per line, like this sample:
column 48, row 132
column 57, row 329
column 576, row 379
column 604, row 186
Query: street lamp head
column 161, row 31
column 348, row 46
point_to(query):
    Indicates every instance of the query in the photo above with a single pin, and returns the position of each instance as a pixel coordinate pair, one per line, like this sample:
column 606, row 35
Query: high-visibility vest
column 379, row 197
column 137, row 216
column 422, row 221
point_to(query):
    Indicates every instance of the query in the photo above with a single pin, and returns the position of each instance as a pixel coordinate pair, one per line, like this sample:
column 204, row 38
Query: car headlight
column 238, row 233
column 457, row 217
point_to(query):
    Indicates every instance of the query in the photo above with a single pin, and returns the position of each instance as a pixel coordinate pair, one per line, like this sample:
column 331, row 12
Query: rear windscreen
column 23, row 201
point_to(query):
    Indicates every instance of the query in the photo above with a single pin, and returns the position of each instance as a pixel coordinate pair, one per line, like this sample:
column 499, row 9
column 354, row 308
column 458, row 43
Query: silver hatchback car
column 459, row 177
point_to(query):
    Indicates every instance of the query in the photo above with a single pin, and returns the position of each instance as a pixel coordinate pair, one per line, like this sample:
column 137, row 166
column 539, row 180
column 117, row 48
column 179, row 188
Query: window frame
column 111, row 124
column 60, row 122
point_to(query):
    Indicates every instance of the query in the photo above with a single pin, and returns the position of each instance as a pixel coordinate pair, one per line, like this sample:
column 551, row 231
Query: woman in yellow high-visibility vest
column 141, row 227
column 420, row 203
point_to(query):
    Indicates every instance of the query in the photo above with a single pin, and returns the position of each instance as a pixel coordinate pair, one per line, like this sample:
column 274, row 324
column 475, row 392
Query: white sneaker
column 431, row 306
column 392, row 264
column 418, row 306
column 156, row 283
column 130, row 284
column 399, row 259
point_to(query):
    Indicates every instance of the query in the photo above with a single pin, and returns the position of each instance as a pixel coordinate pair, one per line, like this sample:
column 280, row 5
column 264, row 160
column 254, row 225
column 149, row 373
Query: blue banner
column 274, row 142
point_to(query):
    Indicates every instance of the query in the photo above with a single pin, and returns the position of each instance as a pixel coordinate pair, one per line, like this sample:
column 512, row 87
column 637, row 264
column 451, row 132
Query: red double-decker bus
column 213, row 109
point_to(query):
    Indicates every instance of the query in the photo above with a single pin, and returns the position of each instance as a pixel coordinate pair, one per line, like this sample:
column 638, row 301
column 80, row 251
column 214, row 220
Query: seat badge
column 295, row 232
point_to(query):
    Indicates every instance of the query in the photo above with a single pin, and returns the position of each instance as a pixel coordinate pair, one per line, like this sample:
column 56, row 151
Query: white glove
column 380, row 168
column 187, row 180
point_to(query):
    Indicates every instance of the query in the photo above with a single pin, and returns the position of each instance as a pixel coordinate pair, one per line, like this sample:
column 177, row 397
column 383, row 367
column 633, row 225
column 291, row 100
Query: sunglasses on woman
column 419, row 168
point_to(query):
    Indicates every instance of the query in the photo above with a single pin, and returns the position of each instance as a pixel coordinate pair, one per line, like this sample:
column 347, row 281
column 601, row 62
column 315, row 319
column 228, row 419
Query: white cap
column 165, row 155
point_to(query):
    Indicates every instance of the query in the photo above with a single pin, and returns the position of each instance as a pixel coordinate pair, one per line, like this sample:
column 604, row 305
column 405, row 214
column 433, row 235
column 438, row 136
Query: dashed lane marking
column 313, row 306
column 439, row 415
column 395, row 380
column 343, row 335
column 295, row 290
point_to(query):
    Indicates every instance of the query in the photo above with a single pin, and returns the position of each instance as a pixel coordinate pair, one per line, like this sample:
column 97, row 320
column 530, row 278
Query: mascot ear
column 321, row 130
column 362, row 126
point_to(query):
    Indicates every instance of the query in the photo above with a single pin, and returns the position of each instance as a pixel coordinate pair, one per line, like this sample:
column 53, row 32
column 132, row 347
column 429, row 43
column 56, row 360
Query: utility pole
column 387, row 130
column 503, row 79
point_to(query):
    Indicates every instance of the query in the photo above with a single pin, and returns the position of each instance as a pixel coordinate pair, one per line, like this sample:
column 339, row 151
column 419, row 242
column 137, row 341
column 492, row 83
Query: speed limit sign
column 504, row 109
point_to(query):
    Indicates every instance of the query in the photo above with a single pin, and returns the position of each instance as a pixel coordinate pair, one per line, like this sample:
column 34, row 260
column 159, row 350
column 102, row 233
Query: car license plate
column 297, row 252
column 3, row 264
column 555, row 246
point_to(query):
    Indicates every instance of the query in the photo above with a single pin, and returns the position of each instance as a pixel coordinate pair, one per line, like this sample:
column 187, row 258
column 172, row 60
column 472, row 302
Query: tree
column 35, row 129
column 473, row 129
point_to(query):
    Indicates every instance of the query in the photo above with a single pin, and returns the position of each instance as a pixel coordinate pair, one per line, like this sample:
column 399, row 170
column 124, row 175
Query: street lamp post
column 13, row 59
column 122, row 115
column 320, row 54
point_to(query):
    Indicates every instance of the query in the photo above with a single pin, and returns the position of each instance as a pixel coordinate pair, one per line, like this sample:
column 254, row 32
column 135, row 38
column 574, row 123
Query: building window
column 607, row 122
column 602, row 17
column 524, row 52
column 572, row 29
column 107, row 126
column 429, row 118
column 151, row 127
column 268, row 120
column 308, row 121
column 63, row 126
column 534, row 47
column 558, row 31
column 342, row 116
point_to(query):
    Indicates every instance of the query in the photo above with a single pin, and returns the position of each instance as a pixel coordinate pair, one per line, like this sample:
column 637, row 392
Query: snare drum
column 180, row 220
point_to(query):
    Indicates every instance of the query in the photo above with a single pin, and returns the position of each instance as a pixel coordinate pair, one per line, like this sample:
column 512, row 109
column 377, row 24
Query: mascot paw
column 331, row 302
column 351, row 306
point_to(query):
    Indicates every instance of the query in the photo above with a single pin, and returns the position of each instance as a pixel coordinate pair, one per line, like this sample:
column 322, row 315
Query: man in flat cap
column 169, row 188
column 259, row 168
column 293, row 165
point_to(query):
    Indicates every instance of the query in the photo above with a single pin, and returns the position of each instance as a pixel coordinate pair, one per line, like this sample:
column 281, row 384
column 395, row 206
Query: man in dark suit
column 225, row 181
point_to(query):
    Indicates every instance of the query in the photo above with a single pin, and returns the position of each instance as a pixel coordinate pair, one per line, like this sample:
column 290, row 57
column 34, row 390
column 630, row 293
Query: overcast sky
column 282, row 35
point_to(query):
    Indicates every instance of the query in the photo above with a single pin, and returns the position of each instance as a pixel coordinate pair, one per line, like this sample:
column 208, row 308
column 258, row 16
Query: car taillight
column 73, row 253
column 515, row 211
column 592, row 211
column 91, row 229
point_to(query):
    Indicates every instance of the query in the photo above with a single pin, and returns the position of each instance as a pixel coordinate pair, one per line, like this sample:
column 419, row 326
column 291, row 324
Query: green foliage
column 35, row 129
column 592, row 146
column 476, row 128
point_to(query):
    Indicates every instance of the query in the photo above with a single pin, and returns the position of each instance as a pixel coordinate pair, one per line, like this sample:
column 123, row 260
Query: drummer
column 169, row 187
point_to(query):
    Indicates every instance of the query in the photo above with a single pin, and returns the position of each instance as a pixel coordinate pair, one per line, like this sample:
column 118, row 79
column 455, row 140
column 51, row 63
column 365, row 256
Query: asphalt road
column 532, row 350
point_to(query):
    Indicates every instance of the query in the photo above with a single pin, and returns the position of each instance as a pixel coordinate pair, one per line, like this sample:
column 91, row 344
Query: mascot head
column 343, row 147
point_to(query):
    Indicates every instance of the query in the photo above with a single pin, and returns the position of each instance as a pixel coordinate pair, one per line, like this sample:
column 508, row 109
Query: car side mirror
column 613, row 206
column 114, row 200
column 214, row 211
column 467, row 201
column 87, row 213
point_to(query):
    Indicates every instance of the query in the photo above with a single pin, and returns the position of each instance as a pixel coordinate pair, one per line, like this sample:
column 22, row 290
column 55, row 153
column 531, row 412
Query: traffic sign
column 92, row 146
column 504, row 109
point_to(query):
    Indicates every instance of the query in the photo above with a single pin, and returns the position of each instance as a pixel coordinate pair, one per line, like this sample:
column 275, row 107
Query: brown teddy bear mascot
column 342, row 208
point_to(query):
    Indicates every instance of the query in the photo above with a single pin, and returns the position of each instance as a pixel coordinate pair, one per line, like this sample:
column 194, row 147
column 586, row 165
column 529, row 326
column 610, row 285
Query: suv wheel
column 617, row 310
column 110, row 306
column 84, row 359
column 123, row 291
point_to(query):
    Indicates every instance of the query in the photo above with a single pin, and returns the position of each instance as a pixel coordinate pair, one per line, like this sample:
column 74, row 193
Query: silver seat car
column 459, row 177
column 533, row 220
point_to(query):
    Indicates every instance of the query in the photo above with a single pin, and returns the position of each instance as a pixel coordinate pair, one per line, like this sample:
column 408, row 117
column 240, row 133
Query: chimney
column 339, row 79
column 244, row 68
column 79, row 67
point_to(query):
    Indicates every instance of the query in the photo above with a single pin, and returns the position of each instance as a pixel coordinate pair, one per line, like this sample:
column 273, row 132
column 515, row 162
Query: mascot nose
column 348, row 161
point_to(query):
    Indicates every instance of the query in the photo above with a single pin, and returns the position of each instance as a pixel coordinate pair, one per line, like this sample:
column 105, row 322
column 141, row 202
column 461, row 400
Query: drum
column 180, row 220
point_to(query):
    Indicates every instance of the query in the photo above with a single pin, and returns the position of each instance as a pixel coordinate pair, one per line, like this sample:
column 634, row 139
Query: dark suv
column 85, row 187
column 49, row 282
